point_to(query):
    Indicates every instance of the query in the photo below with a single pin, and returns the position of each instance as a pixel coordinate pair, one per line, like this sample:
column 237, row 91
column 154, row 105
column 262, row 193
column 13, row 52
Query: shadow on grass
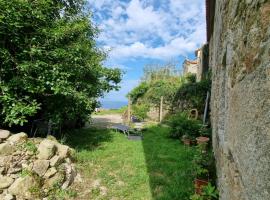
column 88, row 139
column 169, row 165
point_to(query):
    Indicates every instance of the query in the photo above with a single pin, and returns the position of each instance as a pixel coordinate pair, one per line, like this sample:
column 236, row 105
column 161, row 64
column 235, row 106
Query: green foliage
column 138, row 92
column 163, row 167
column 209, row 193
column 112, row 111
column 25, row 173
column 140, row 111
column 204, row 163
column 181, row 125
column 30, row 146
column 192, row 95
column 191, row 78
column 158, row 81
column 50, row 64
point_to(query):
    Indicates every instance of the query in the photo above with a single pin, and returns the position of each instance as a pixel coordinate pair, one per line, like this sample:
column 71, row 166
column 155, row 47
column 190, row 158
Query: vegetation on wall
column 192, row 94
column 157, row 81
column 51, row 66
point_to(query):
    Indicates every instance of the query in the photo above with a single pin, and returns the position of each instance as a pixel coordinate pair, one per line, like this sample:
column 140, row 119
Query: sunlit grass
column 116, row 168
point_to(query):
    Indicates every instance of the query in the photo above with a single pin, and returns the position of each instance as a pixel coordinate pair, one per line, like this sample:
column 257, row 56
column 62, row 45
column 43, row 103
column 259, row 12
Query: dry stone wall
column 240, row 104
column 33, row 168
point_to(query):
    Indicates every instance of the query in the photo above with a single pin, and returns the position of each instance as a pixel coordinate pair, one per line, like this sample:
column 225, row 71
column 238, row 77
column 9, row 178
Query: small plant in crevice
column 209, row 192
column 30, row 146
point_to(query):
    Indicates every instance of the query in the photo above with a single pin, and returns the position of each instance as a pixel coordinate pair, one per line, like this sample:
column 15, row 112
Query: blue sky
column 140, row 32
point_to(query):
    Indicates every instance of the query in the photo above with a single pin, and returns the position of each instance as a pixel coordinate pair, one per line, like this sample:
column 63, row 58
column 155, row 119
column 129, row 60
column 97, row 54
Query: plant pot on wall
column 202, row 140
column 199, row 184
column 186, row 141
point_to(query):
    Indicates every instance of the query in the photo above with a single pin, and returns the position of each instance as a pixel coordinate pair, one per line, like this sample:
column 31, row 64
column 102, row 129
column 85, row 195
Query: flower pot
column 202, row 140
column 199, row 184
column 186, row 141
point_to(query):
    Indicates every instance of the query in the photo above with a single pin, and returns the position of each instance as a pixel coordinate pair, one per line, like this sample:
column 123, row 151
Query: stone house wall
column 240, row 102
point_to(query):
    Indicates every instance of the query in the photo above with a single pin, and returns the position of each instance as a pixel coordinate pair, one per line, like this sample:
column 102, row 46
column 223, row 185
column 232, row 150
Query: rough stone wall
column 190, row 67
column 33, row 168
column 240, row 104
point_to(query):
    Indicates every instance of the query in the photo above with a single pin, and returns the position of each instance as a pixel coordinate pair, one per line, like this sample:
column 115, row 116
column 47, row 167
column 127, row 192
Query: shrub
column 51, row 66
column 140, row 111
column 181, row 125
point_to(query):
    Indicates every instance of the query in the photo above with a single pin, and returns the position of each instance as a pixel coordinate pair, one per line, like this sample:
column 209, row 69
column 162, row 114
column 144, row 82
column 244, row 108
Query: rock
column 14, row 170
column 63, row 150
column 46, row 149
column 9, row 197
column 50, row 172
column 2, row 169
column 28, row 167
column 5, row 182
column 22, row 187
column 56, row 179
column 78, row 179
column 16, row 138
column 5, row 160
column 14, row 176
column 4, row 134
column 70, row 176
column 41, row 166
column 56, row 161
column 6, row 149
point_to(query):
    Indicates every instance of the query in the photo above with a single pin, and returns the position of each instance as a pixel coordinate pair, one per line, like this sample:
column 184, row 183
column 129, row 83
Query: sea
column 113, row 104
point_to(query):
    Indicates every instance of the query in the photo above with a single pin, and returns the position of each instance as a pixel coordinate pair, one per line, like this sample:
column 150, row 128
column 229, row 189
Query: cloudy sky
column 139, row 32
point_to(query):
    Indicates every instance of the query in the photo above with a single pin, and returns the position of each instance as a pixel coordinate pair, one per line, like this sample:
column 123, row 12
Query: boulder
column 58, row 178
column 63, row 150
column 4, row 134
column 16, row 138
column 14, row 170
column 41, row 166
column 22, row 187
column 5, row 160
column 70, row 176
column 50, row 172
column 56, row 161
column 5, row 182
column 46, row 149
column 9, row 197
column 6, row 149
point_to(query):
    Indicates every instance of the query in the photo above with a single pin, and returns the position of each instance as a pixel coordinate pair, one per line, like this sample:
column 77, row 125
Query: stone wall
column 240, row 104
column 33, row 168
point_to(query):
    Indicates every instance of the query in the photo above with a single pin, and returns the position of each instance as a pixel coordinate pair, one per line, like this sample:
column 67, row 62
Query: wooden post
column 206, row 107
column 129, row 109
column 161, row 109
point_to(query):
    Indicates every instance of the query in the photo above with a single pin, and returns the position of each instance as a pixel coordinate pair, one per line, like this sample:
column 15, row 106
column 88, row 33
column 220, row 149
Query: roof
column 191, row 61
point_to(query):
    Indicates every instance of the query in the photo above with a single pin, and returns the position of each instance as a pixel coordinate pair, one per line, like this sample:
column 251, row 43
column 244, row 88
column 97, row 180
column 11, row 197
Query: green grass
column 113, row 167
column 112, row 111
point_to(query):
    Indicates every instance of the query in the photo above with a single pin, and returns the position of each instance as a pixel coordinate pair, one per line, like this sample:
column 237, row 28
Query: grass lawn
column 114, row 168
column 112, row 111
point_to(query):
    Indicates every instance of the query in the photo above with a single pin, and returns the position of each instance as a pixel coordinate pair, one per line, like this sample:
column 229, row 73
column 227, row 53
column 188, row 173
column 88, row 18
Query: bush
column 51, row 66
column 192, row 95
column 140, row 111
column 181, row 125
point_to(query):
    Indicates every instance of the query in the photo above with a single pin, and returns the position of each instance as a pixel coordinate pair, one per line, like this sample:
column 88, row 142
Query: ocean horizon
column 113, row 104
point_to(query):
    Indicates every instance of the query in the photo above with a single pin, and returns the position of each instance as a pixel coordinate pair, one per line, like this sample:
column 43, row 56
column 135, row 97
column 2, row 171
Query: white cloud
column 139, row 29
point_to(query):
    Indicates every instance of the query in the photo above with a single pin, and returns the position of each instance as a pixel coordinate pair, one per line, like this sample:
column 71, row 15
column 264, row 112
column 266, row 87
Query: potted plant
column 201, row 180
column 202, row 165
column 186, row 140
column 204, row 135
column 209, row 192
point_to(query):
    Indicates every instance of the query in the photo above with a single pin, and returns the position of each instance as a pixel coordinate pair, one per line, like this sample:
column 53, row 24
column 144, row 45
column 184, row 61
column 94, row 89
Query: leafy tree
column 51, row 66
